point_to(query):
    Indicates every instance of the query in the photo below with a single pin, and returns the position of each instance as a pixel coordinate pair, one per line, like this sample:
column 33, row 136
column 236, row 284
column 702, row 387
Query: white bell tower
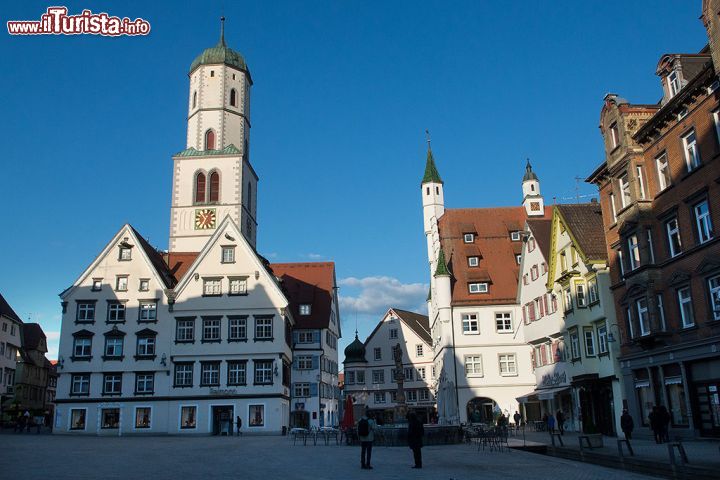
column 213, row 177
column 532, row 200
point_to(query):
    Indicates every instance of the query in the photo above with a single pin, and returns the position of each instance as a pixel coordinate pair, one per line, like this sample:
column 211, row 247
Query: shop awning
column 549, row 393
column 529, row 397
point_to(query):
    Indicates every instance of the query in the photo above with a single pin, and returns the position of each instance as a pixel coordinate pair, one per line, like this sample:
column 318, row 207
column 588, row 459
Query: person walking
column 415, row 436
column 518, row 418
column 26, row 421
column 654, row 418
column 560, row 417
column 627, row 424
column 664, row 423
column 551, row 423
column 366, row 435
column 238, row 423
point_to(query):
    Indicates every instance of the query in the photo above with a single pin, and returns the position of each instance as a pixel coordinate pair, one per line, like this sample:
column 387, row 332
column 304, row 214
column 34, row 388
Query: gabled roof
column 308, row 284
column 498, row 265
column 417, row 322
column 243, row 247
column 420, row 324
column 156, row 259
column 153, row 258
column 584, row 221
column 32, row 334
column 541, row 230
column 7, row 311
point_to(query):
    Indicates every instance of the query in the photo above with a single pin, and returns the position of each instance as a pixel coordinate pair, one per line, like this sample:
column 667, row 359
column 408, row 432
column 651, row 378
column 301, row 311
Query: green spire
column 431, row 173
column 441, row 270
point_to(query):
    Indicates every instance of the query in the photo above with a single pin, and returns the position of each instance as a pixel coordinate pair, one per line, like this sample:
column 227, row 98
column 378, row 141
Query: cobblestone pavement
column 267, row 458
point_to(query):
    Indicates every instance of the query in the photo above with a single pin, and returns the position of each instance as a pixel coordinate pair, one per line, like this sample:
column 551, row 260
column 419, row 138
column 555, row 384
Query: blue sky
column 343, row 93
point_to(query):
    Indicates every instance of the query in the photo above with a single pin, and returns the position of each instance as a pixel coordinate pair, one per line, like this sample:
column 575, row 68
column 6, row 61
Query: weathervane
column 427, row 136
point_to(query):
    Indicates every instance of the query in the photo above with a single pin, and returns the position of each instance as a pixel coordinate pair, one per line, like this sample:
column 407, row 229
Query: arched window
column 214, row 187
column 210, row 140
column 233, row 97
column 249, row 202
column 200, row 188
column 194, row 99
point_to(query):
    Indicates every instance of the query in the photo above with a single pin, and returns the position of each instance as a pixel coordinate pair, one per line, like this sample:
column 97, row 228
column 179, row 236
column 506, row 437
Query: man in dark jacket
column 627, row 424
column 415, row 436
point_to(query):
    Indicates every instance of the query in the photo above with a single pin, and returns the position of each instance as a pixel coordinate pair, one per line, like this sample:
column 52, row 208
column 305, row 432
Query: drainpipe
column 457, row 393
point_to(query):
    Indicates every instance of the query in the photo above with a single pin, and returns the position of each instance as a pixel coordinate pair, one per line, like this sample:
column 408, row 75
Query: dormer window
column 673, row 83
column 515, row 236
column 614, row 135
column 473, row 261
column 469, row 237
column 305, row 309
column 478, row 287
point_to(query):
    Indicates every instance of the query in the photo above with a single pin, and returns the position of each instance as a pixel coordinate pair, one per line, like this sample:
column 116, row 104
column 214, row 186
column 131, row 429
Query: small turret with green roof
column 441, row 269
column 431, row 172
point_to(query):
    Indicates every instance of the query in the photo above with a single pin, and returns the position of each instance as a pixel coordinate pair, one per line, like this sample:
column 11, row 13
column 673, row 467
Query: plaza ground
column 267, row 458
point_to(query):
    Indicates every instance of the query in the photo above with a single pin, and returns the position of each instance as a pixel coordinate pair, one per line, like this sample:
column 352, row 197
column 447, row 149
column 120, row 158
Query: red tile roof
column 541, row 230
column 179, row 263
column 498, row 263
column 584, row 220
column 308, row 284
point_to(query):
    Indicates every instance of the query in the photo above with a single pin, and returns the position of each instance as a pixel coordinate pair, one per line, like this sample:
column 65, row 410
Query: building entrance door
column 708, row 401
column 222, row 417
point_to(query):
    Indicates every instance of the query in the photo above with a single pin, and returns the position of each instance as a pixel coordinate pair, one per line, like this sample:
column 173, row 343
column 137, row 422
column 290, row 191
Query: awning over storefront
column 529, row 397
column 541, row 394
column 549, row 393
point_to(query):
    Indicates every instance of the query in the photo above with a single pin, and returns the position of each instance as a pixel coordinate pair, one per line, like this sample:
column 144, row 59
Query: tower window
column 212, row 73
column 200, row 188
column 210, row 140
column 194, row 102
column 233, row 97
column 214, row 187
column 532, row 187
column 437, row 190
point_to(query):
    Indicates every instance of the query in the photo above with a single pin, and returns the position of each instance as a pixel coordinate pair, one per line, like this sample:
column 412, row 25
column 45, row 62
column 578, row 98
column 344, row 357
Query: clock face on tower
column 205, row 218
column 535, row 206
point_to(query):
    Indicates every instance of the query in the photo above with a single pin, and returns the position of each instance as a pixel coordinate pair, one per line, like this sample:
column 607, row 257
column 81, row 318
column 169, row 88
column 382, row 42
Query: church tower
column 213, row 177
column 433, row 201
column 532, row 200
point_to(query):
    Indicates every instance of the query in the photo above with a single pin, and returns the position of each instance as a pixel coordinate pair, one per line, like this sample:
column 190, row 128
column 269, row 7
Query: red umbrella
column 348, row 420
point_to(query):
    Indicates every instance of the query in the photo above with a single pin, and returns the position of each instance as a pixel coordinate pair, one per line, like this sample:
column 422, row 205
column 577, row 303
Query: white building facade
column 481, row 358
column 543, row 325
column 372, row 383
column 199, row 338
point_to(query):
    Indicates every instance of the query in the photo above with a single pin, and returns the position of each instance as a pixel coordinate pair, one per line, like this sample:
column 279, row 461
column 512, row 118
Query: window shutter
column 531, row 308
column 545, row 304
column 525, row 317
column 554, row 351
column 315, row 362
column 541, row 307
column 316, row 336
column 553, row 302
column 313, row 389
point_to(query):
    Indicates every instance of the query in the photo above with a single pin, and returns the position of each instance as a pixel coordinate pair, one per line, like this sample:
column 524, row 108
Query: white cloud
column 53, row 341
column 377, row 294
column 313, row 256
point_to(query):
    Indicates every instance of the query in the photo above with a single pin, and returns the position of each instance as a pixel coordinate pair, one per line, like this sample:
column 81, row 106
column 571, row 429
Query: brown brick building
column 660, row 196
